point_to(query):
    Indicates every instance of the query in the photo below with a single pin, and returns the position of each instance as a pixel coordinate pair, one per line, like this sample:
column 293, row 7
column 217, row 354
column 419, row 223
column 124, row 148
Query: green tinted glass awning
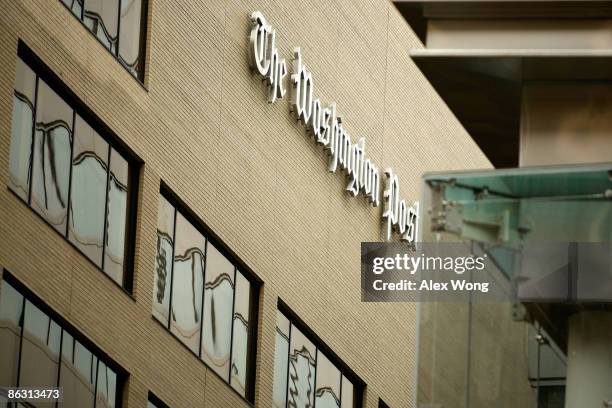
column 548, row 230
column 552, row 182
column 516, row 206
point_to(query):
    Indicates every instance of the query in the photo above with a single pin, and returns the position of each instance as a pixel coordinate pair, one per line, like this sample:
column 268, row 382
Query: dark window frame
column 135, row 164
column 142, row 47
column 65, row 325
column 154, row 399
column 254, row 294
column 294, row 320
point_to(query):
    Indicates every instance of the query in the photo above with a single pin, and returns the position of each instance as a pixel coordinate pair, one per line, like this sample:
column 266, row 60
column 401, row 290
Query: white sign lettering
column 399, row 218
column 328, row 131
column 325, row 126
column 264, row 57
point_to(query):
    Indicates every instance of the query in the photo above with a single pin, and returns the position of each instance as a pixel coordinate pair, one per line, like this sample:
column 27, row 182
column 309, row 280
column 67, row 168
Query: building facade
column 171, row 237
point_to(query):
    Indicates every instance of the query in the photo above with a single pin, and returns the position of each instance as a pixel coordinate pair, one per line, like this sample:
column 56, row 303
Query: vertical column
column 589, row 360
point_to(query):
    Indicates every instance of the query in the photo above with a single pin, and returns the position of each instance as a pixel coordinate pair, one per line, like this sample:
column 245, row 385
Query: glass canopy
column 549, row 229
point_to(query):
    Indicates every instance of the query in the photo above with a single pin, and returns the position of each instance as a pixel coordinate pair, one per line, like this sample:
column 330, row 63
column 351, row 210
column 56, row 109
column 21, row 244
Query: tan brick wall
column 247, row 169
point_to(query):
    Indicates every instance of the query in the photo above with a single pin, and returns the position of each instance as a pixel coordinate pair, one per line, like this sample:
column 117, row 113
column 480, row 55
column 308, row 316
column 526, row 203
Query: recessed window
column 204, row 297
column 73, row 175
column 381, row 404
column 301, row 366
column 40, row 351
column 119, row 25
column 154, row 402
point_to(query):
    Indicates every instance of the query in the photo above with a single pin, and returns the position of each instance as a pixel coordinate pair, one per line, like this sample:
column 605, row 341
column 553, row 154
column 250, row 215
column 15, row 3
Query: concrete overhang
column 417, row 12
column 483, row 86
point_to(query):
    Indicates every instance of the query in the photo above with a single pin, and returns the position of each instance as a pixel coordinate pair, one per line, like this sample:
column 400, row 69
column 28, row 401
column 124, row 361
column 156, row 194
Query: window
column 71, row 172
column 204, row 297
column 381, row 404
column 39, row 350
column 300, row 366
column 120, row 25
column 154, row 402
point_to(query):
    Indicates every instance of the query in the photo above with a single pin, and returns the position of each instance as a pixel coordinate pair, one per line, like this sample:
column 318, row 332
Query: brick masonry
column 202, row 125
